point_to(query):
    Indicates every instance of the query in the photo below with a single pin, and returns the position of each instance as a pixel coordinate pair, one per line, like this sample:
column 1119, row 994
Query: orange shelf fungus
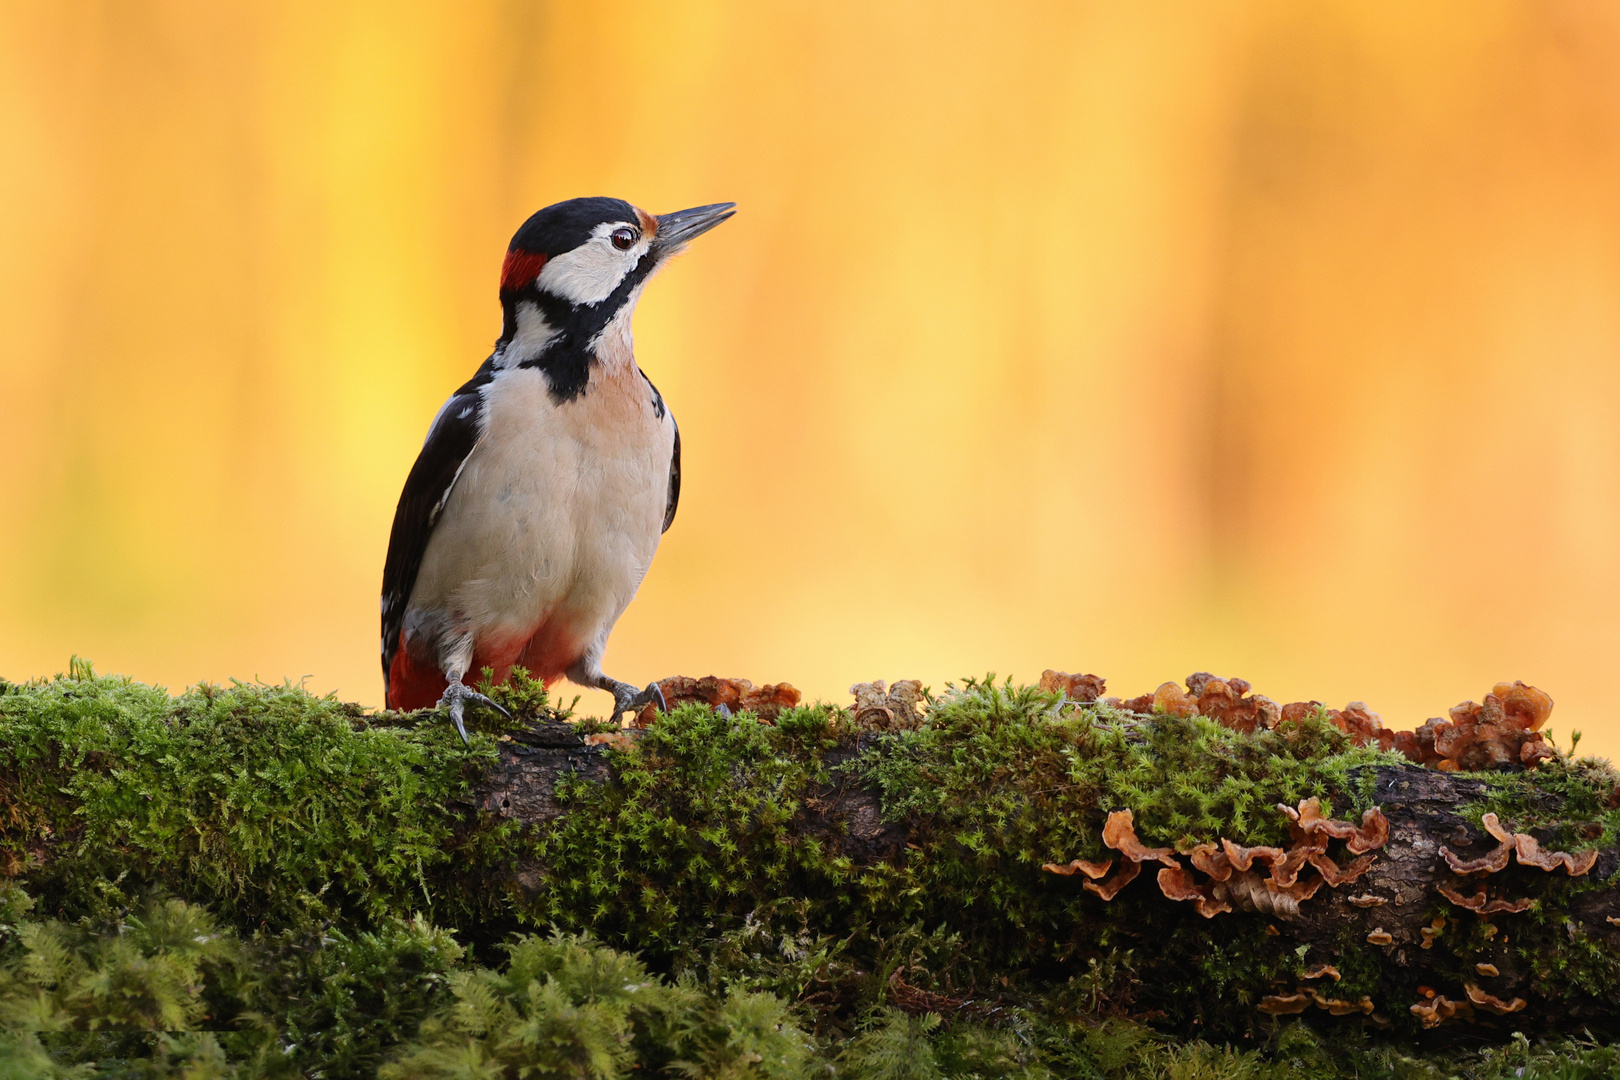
column 1435, row 1011
column 1379, row 936
column 1234, row 879
column 1504, row 731
column 1336, row 1007
column 1366, row 900
column 1171, row 700
column 1285, row 872
column 1242, row 858
column 1122, row 877
column 1177, row 884
column 1493, row 863
column 888, row 708
column 1093, row 870
column 1526, row 847
column 738, row 695
column 1081, row 688
column 1211, row 860
column 1227, row 701
column 1322, row 971
column 1493, row 1004
column 1530, row 854
column 1119, row 833
column 1371, row 834
column 1489, row 971
column 1478, row 903
column 1285, row 1004
column 1336, row 875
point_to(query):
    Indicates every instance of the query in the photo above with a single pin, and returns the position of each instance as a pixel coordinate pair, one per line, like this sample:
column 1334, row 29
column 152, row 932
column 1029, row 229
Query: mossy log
column 1436, row 911
column 840, row 867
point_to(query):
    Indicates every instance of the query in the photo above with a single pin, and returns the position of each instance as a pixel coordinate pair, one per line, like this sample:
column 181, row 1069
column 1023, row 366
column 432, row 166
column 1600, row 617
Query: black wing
column 449, row 443
column 674, row 459
column 674, row 479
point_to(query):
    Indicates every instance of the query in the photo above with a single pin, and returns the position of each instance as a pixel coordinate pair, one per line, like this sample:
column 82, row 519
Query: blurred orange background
column 1270, row 339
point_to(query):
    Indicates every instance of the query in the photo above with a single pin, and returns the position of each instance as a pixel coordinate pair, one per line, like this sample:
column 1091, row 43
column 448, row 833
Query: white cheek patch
column 589, row 273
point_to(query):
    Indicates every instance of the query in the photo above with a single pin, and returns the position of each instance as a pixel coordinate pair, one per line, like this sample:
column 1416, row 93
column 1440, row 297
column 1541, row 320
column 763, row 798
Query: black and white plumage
column 533, row 511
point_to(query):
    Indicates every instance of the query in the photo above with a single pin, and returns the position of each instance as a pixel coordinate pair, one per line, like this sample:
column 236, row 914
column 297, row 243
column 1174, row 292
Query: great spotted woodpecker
column 533, row 511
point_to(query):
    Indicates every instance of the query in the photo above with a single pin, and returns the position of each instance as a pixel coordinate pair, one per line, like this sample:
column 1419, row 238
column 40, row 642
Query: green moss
column 265, row 801
column 1573, row 805
column 353, row 897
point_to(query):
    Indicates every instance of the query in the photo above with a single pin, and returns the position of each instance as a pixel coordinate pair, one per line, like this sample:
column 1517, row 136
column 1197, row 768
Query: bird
column 533, row 510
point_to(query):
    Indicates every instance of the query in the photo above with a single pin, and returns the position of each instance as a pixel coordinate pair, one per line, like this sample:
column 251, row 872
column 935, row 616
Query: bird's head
column 575, row 265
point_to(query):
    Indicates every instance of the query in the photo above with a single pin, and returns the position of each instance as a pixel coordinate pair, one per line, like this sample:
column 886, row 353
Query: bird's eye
column 624, row 239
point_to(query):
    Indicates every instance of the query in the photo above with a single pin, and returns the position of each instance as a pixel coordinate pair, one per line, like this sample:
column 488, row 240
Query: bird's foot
column 627, row 699
column 457, row 697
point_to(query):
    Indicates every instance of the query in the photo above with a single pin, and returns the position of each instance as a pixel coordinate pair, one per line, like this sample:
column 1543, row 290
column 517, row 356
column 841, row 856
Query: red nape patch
column 412, row 685
column 520, row 269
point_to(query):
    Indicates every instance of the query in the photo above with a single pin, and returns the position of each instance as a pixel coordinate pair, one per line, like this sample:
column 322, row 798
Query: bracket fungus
column 1373, row 833
column 888, row 708
column 1335, row 875
column 1285, row 1004
column 1234, row 881
column 1526, row 847
column 1093, row 870
column 1480, row 906
column 1304, row 998
column 1436, row 1010
column 1493, row 1004
column 1119, row 833
column 1503, row 732
column 1082, row 688
column 1177, row 884
column 1242, row 858
column 1338, row 1007
column 1210, row 860
column 737, row 695
column 1170, row 700
column 1530, row 854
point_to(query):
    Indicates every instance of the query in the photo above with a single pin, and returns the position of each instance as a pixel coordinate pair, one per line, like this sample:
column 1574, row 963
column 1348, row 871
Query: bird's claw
column 627, row 699
column 456, row 698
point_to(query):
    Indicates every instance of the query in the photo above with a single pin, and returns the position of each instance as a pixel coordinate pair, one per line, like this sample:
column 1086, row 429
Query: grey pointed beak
column 677, row 229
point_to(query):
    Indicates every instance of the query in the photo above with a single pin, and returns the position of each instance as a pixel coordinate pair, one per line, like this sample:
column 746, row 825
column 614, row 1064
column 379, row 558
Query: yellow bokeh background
column 1273, row 339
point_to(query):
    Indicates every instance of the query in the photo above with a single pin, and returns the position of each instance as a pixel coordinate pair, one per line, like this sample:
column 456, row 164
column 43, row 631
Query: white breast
column 557, row 512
